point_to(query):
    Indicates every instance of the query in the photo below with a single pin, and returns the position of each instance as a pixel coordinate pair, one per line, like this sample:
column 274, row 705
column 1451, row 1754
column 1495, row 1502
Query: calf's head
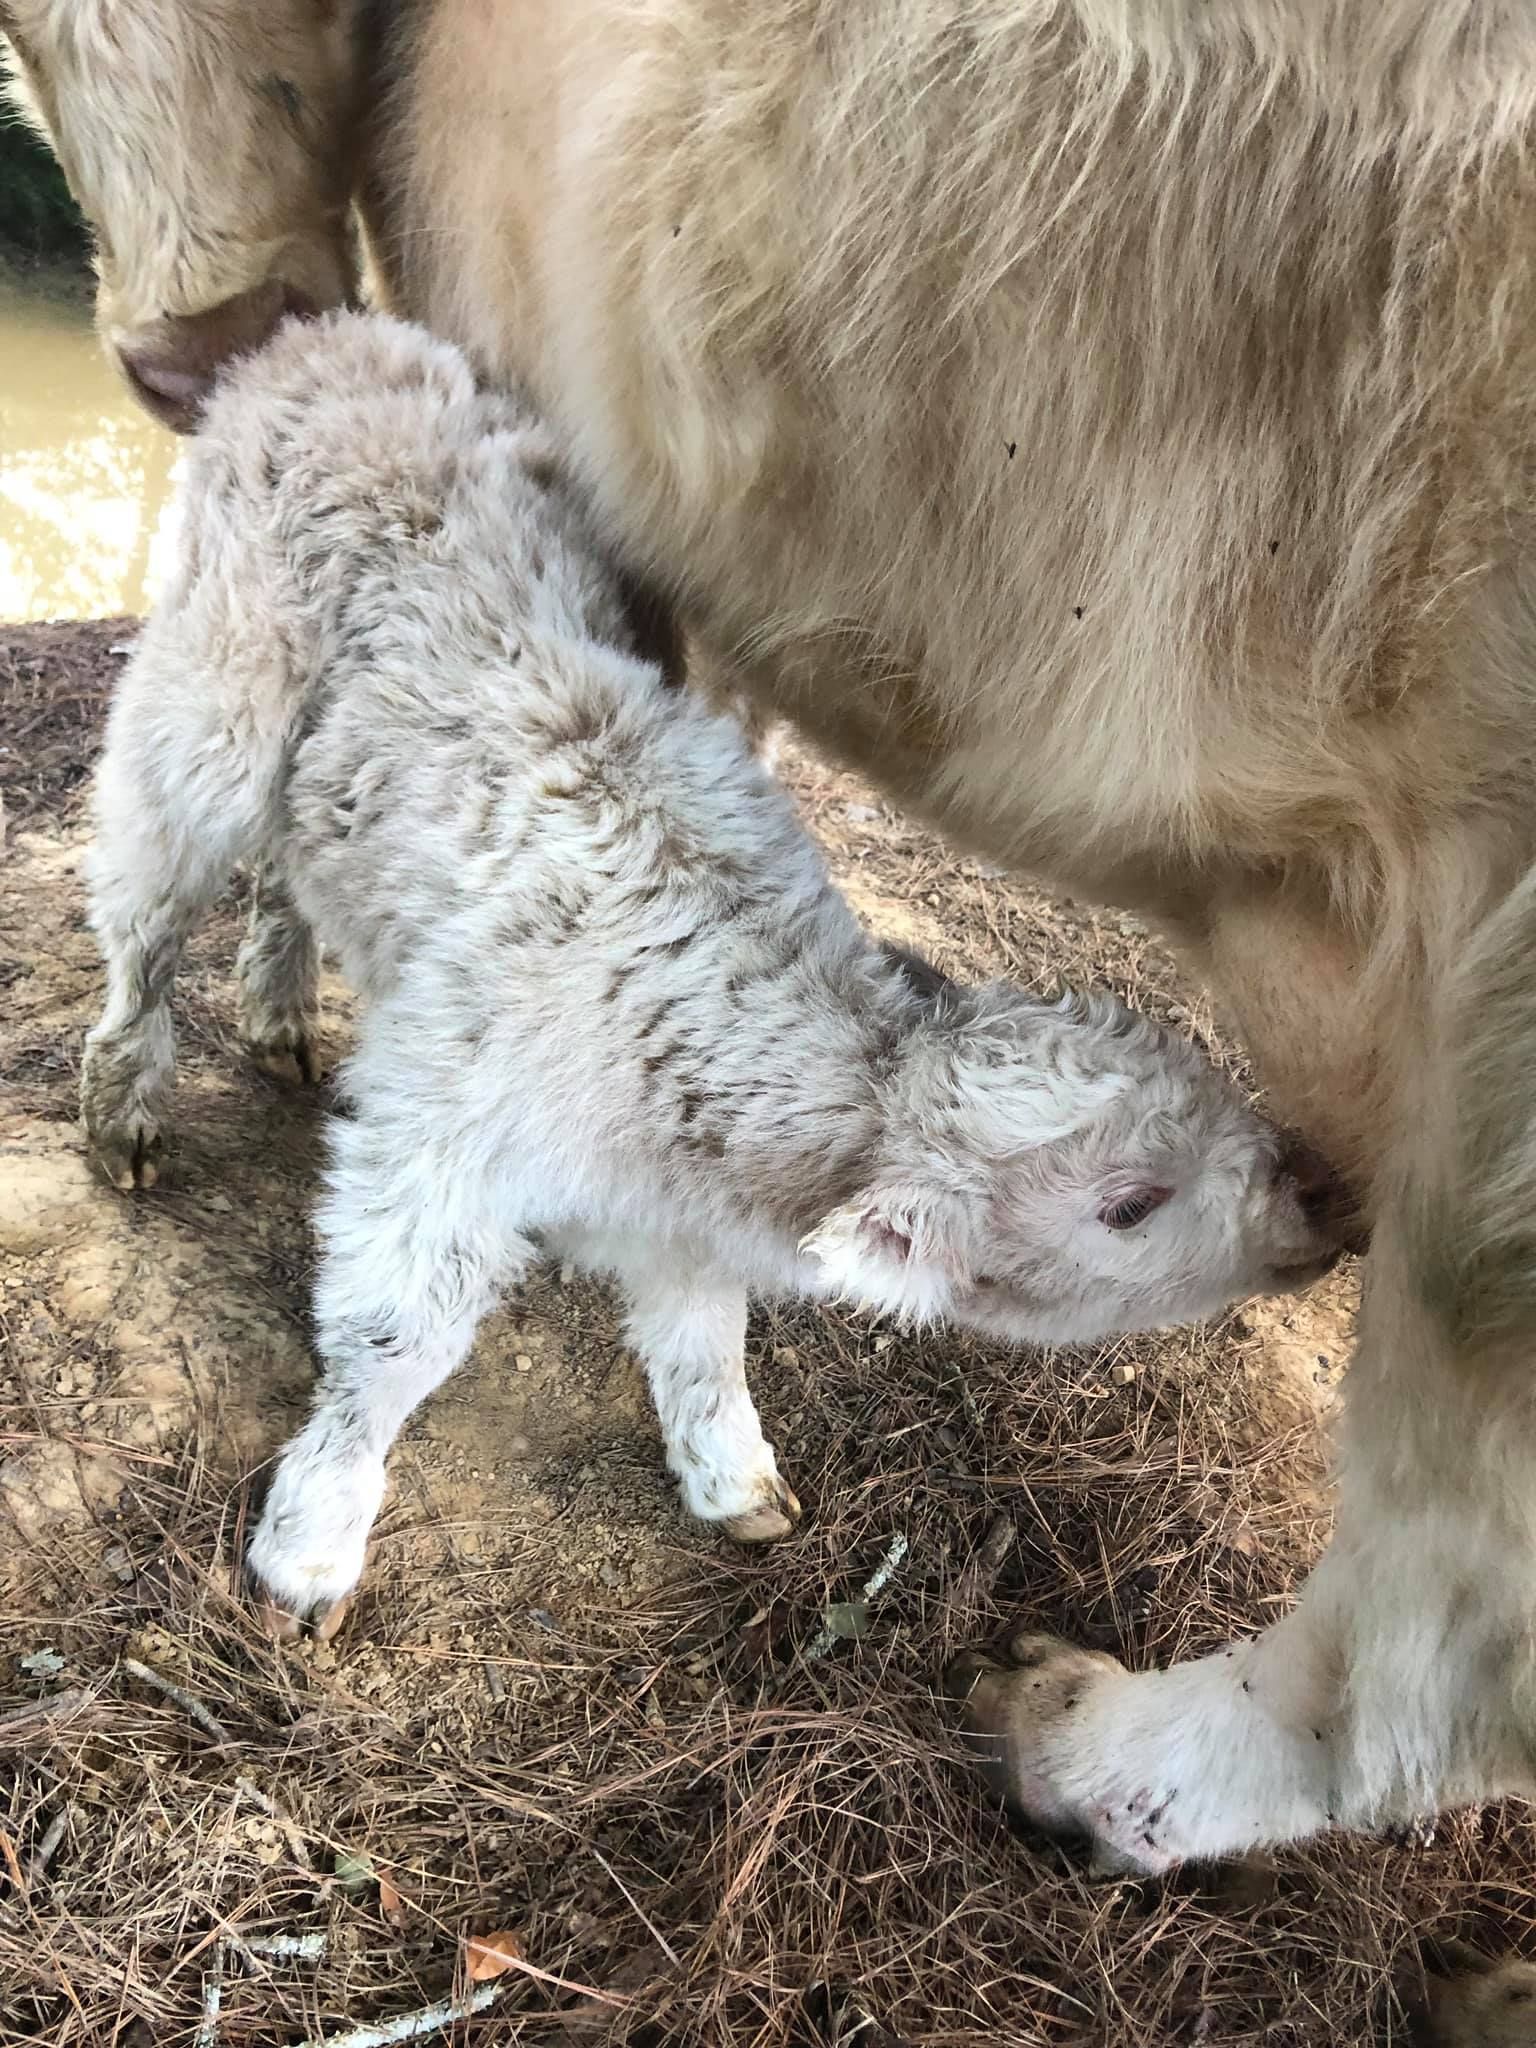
column 211, row 148
column 1056, row 1173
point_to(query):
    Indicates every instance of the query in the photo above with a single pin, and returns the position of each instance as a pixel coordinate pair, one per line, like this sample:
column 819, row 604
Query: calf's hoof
column 767, row 1521
column 283, row 1626
column 130, row 1156
column 289, row 1057
column 309, row 1547
column 122, row 1109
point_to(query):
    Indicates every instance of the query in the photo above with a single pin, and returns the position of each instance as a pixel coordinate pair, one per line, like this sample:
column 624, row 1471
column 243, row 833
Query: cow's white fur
column 614, row 1006
column 130, row 106
column 1110, row 422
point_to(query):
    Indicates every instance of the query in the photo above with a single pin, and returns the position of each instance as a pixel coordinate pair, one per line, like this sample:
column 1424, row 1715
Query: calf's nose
column 171, row 367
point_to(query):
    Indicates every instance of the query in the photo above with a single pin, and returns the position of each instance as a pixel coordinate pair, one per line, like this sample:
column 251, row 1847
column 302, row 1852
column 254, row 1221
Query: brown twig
column 17, row 1722
column 47, row 1848
column 979, row 1577
column 297, row 1845
column 188, row 1702
column 12, row 1863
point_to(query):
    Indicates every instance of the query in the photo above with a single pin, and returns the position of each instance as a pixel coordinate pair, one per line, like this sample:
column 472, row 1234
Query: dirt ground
column 560, row 1713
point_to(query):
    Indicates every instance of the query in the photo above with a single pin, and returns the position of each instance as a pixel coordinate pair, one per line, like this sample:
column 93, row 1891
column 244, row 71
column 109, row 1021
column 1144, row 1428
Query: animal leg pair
column 409, row 1266
column 151, row 879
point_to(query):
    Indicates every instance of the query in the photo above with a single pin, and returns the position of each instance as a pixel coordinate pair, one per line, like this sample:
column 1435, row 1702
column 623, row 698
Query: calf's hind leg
column 279, row 972
column 159, row 859
column 129, row 1064
column 186, row 788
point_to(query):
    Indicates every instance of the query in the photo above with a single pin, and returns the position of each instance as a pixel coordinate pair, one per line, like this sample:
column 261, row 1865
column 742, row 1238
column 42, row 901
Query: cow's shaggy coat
column 1109, row 422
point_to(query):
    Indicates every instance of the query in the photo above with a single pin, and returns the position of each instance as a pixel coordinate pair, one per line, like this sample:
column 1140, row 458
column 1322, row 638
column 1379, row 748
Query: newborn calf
column 615, row 1011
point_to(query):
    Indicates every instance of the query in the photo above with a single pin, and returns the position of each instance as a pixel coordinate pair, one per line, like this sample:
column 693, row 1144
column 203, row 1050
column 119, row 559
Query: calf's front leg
column 409, row 1265
column 687, row 1322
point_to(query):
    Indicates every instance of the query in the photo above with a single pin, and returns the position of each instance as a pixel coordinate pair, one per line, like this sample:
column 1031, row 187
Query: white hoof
column 309, row 1547
column 761, row 1509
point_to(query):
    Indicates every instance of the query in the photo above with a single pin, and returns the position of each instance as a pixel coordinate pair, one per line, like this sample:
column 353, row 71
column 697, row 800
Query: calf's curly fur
column 615, row 1008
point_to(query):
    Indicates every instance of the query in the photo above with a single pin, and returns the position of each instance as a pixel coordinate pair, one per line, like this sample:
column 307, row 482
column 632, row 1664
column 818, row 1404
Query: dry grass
column 53, row 697
column 651, row 1787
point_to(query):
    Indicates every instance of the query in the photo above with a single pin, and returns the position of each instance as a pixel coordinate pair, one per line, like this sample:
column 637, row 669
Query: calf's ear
column 902, row 1248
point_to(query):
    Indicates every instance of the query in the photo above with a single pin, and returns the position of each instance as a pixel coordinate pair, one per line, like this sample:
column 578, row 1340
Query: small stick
column 980, row 1575
column 880, row 1578
column 12, row 1863
column 995, row 1545
column 299, row 1948
column 44, row 1853
column 968, row 1400
column 184, row 1699
column 410, row 2026
column 16, row 1722
column 493, row 1680
column 876, row 1583
column 254, row 1949
column 641, row 1915
column 616, row 1999
column 213, row 2000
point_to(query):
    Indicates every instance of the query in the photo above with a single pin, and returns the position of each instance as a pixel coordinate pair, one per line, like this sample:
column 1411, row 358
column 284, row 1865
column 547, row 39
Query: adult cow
column 1112, row 423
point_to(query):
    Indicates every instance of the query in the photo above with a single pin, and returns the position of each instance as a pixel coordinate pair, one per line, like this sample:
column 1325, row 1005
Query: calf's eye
column 1133, row 1207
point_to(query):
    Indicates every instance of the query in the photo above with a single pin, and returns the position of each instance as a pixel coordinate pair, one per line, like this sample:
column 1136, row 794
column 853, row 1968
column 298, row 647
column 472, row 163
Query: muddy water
column 84, row 475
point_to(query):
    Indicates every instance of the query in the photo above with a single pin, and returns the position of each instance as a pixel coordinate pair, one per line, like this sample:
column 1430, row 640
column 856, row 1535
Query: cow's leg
column 1393, row 1690
column 1405, row 1680
column 1400, row 1685
column 279, row 970
column 1206, row 1759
